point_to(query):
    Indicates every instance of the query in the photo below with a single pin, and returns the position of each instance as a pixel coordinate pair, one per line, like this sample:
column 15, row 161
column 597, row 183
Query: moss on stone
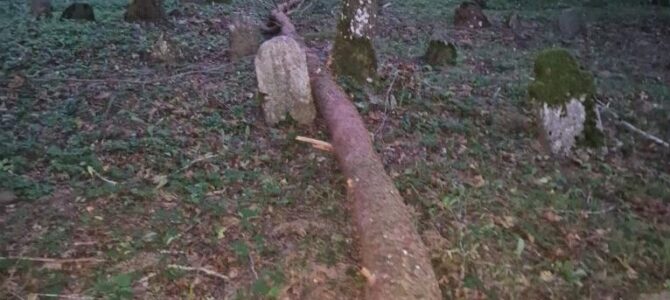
column 440, row 53
column 353, row 56
column 558, row 79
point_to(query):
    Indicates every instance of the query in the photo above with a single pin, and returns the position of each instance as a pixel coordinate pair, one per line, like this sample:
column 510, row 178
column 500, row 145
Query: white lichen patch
column 360, row 23
column 562, row 125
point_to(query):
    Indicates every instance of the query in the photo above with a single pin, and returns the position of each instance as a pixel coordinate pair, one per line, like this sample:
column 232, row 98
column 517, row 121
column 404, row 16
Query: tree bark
column 353, row 53
column 390, row 246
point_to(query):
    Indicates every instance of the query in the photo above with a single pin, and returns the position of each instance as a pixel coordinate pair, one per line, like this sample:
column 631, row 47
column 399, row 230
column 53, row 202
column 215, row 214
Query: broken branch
column 53, row 260
column 632, row 128
column 201, row 270
column 317, row 144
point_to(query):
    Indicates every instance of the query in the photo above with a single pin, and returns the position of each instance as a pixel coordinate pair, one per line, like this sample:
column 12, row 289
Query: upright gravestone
column 571, row 23
column 40, row 8
column 440, row 53
column 283, row 81
column 245, row 37
column 567, row 110
column 79, row 11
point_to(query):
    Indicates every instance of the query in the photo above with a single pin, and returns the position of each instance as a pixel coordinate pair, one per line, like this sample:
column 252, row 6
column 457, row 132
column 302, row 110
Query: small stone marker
column 165, row 50
column 245, row 37
column 79, row 11
column 470, row 14
column 565, row 92
column 571, row 23
column 440, row 53
column 40, row 8
column 283, row 80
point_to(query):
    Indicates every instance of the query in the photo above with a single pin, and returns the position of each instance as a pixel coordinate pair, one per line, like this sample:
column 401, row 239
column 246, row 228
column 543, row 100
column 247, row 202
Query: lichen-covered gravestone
column 281, row 70
column 245, row 37
column 567, row 110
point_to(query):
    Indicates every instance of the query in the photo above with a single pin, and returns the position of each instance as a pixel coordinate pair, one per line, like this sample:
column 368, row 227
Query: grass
column 201, row 181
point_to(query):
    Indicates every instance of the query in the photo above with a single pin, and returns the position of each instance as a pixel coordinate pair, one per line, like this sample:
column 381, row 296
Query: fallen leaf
column 52, row 266
column 160, row 181
column 102, row 96
column 551, row 216
column 546, row 276
column 543, row 180
column 507, row 222
column 478, row 181
column 368, row 276
column 520, row 245
column 16, row 82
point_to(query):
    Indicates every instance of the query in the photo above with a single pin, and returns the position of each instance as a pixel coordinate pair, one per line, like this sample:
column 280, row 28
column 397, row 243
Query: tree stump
column 145, row 11
column 470, row 14
column 565, row 94
column 353, row 53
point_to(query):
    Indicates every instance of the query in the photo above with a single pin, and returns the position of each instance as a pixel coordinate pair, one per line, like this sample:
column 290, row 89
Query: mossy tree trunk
column 145, row 11
column 353, row 53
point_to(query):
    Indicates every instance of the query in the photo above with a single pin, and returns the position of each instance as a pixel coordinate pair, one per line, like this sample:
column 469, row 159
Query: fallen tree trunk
column 395, row 260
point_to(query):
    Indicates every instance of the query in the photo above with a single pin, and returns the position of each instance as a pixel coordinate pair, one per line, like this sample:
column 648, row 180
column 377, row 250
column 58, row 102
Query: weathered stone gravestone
column 281, row 71
column 245, row 36
column 571, row 23
column 470, row 14
column 165, row 50
column 40, row 8
column 567, row 109
column 79, row 11
column 440, row 53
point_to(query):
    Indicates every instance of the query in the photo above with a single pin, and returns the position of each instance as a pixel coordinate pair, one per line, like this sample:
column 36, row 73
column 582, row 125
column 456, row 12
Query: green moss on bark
column 558, row 80
column 440, row 53
column 353, row 56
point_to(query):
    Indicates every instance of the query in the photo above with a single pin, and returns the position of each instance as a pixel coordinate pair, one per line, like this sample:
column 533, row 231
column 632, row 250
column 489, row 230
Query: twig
column 15, row 295
column 317, row 144
column 53, row 260
column 131, row 81
column 95, row 173
column 251, row 265
column 386, row 105
column 195, row 161
column 632, row 128
column 75, row 297
column 586, row 212
column 202, row 270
